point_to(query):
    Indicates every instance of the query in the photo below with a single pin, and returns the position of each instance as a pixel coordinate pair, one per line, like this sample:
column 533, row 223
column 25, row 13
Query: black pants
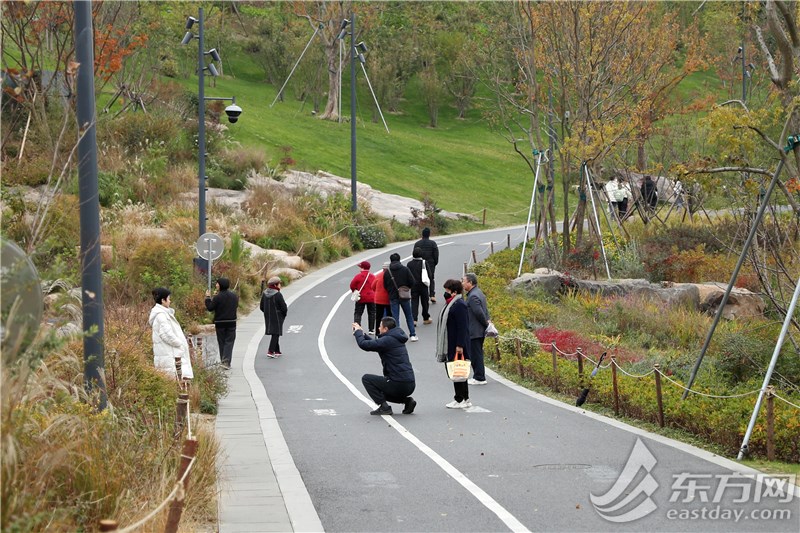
column 274, row 344
column 419, row 295
column 476, row 356
column 226, row 336
column 461, row 388
column 432, row 284
column 370, row 314
column 380, row 312
column 381, row 389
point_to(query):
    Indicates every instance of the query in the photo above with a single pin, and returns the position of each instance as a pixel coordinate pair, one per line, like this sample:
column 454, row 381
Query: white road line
column 481, row 495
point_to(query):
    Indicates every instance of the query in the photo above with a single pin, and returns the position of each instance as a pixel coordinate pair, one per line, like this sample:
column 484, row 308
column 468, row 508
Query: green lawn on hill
column 462, row 164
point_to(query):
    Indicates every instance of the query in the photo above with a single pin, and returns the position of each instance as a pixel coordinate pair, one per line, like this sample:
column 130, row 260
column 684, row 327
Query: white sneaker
column 454, row 405
column 473, row 381
column 413, row 338
column 466, row 404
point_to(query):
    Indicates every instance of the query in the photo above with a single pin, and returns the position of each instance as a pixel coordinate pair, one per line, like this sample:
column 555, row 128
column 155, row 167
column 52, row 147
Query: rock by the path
column 705, row 297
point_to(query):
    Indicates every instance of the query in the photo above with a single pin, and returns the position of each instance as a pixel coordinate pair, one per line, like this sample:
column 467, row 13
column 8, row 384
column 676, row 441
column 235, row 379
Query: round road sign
column 210, row 246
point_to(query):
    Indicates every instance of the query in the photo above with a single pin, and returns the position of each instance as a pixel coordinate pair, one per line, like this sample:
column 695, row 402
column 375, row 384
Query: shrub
column 369, row 237
column 429, row 216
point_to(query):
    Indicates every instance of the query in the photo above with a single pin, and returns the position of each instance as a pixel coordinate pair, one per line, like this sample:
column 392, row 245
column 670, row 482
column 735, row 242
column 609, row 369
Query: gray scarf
column 441, row 333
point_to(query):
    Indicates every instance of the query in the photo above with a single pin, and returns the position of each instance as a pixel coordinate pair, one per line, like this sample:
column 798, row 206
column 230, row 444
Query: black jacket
column 402, row 276
column 391, row 347
column 274, row 307
column 415, row 266
column 430, row 251
column 224, row 304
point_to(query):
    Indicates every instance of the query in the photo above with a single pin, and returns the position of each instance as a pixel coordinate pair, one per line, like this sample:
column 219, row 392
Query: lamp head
column 343, row 32
column 361, row 47
column 214, row 54
column 190, row 22
column 212, row 70
column 187, row 38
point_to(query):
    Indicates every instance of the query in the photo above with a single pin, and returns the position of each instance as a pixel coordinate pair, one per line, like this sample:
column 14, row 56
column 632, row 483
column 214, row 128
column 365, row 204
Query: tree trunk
column 332, row 106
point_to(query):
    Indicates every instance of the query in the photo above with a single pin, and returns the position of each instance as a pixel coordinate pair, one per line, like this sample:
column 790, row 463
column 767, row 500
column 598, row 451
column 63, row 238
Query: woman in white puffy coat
column 169, row 341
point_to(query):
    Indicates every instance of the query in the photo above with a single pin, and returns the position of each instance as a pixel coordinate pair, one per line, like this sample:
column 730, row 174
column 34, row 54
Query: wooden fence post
column 555, row 366
column 508, row 240
column 178, row 368
column 518, row 346
column 176, row 507
column 465, row 269
column 109, row 525
column 659, row 399
column 614, row 381
column 491, row 247
column 474, row 257
column 496, row 348
column 484, row 217
column 181, row 412
column 580, row 368
column 771, row 423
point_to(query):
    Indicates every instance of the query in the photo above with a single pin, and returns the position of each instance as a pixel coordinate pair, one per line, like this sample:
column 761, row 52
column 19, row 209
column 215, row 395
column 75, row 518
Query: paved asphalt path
column 515, row 461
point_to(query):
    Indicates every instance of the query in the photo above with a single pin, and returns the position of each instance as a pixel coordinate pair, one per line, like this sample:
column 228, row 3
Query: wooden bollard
column 496, row 349
column 465, row 269
column 771, row 423
column 580, row 367
column 659, row 399
column 518, row 347
column 181, row 411
column 176, row 507
column 474, row 257
column 108, row 525
column 614, row 382
column 491, row 247
column 508, row 240
column 555, row 366
column 484, row 217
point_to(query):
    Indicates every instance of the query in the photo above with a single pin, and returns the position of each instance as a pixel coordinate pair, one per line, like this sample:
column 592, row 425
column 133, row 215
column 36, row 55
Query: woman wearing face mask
column 452, row 337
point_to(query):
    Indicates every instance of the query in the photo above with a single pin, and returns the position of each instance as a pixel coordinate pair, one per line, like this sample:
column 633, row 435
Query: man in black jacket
column 419, row 291
column 397, row 381
column 396, row 276
column 224, row 304
column 430, row 253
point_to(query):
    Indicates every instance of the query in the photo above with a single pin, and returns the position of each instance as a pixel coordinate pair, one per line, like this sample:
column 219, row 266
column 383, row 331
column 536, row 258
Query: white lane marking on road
column 296, row 328
column 315, row 399
column 320, row 296
column 476, row 409
column 481, row 495
column 324, row 412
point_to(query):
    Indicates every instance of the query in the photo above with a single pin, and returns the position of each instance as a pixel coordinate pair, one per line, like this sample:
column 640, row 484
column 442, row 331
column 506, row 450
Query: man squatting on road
column 397, row 381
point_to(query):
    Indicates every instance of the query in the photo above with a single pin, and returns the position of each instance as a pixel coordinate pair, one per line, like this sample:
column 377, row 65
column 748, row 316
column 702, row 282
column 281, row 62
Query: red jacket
column 381, row 296
column 367, row 293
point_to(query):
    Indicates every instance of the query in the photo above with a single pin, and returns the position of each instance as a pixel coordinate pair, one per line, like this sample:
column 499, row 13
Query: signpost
column 210, row 247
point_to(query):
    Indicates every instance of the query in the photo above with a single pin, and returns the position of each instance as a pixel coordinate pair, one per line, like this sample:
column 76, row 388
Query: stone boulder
column 291, row 273
column 704, row 297
column 741, row 302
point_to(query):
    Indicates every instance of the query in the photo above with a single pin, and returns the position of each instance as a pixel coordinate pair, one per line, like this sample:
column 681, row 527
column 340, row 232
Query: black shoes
column 411, row 403
column 382, row 411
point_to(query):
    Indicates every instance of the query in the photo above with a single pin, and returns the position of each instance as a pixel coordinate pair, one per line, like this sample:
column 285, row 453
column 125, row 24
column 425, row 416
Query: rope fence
column 188, row 458
column 555, row 381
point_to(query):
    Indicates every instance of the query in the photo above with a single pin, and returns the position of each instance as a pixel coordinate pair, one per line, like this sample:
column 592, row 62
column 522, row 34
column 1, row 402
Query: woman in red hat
column 362, row 284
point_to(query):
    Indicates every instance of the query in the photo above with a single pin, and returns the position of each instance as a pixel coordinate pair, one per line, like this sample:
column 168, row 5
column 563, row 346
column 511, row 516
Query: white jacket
column 169, row 342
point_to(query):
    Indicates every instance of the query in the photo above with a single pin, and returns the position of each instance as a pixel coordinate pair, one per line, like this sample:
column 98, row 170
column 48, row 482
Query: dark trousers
column 432, row 284
column 226, row 336
column 461, row 388
column 419, row 295
column 274, row 344
column 380, row 312
column 381, row 389
column 370, row 314
column 476, row 356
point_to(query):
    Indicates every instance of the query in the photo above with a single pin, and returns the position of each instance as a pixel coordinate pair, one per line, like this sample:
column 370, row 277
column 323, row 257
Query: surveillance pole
column 353, row 178
column 91, row 272
column 201, row 129
column 744, row 75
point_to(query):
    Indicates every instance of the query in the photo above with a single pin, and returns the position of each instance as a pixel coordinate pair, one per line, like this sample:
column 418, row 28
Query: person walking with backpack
column 224, row 304
column 430, row 253
column 274, row 308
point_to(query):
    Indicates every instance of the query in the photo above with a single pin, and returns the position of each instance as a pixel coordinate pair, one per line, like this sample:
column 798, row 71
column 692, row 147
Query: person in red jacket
column 382, row 308
column 362, row 283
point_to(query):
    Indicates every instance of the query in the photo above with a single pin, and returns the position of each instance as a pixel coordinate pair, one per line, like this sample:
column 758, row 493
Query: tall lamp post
column 353, row 174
